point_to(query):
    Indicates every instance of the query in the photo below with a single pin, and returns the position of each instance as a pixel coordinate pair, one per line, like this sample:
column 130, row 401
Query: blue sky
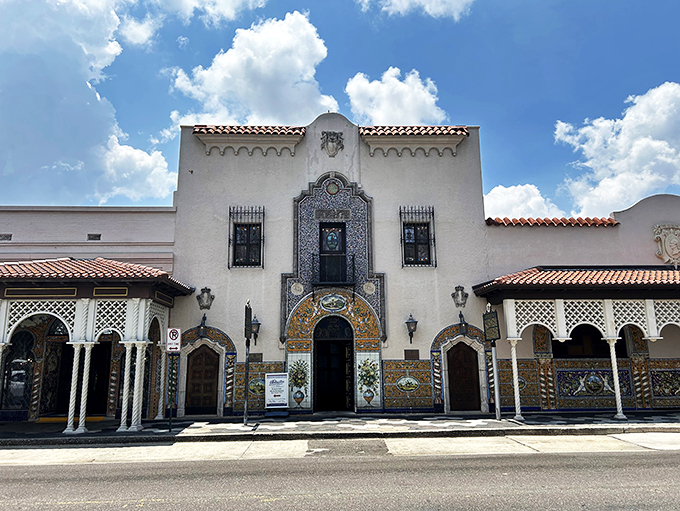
column 578, row 101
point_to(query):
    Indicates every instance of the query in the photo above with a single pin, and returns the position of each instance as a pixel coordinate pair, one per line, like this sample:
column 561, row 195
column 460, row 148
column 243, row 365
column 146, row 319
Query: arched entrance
column 463, row 372
column 333, row 365
column 202, row 372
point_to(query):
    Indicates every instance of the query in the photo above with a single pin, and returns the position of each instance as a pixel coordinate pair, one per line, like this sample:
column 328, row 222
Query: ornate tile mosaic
column 408, row 384
column 356, row 208
column 256, row 384
column 528, row 383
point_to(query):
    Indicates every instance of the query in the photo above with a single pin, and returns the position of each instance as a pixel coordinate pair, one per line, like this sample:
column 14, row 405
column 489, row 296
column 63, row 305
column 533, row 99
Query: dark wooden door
column 332, row 370
column 202, row 382
column 333, row 253
column 463, row 378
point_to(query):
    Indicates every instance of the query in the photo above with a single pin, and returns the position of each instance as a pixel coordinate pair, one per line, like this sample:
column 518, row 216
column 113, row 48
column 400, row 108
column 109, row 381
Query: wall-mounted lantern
column 459, row 297
column 255, row 328
column 411, row 325
column 202, row 329
column 205, row 299
column 463, row 324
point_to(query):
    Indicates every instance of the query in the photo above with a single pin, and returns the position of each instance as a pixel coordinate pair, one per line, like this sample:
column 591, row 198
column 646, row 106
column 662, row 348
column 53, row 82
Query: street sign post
column 173, row 345
column 492, row 333
column 248, row 331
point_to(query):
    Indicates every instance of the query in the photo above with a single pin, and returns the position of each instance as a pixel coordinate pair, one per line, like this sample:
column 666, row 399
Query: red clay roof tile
column 413, row 130
column 571, row 221
column 582, row 277
column 205, row 129
column 249, row 130
column 83, row 269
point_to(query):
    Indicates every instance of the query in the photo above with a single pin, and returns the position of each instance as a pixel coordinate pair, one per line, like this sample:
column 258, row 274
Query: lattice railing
column 584, row 311
column 630, row 312
column 63, row 309
column 156, row 310
column 528, row 312
column 666, row 311
column 110, row 315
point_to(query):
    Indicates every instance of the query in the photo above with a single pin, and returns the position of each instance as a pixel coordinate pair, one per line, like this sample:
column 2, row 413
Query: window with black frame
column 417, row 236
column 246, row 238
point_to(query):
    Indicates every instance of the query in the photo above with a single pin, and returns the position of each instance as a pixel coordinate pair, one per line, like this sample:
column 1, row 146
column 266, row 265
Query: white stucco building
column 338, row 234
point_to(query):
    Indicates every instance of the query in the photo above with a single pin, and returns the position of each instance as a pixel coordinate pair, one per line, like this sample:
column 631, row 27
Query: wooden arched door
column 463, row 378
column 202, row 373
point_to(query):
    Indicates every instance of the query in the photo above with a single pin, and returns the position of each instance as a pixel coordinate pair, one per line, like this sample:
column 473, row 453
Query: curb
column 167, row 438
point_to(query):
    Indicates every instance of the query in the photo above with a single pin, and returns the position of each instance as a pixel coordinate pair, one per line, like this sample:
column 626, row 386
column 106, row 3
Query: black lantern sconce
column 202, row 329
column 256, row 328
column 463, row 324
column 411, row 325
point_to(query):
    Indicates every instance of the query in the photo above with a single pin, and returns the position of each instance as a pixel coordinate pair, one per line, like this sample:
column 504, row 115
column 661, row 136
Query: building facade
column 341, row 237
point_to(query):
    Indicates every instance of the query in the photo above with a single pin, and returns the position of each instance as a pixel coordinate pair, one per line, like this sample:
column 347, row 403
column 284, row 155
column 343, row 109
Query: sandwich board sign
column 276, row 390
column 174, row 341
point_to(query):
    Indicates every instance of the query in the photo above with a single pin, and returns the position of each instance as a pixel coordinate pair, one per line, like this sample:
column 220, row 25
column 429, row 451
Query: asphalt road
column 353, row 475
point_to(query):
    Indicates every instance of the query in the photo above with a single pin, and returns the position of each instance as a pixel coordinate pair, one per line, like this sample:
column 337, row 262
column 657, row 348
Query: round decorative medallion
column 332, row 188
column 522, row 383
column 333, row 303
column 369, row 288
column 594, row 383
column 407, row 384
column 297, row 289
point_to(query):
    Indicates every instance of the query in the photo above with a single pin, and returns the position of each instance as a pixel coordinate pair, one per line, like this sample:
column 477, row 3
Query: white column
column 138, row 396
column 561, row 319
column 652, row 327
column 85, row 387
column 126, row 387
column 4, row 306
column 609, row 319
column 515, row 378
column 161, row 398
column 510, row 318
column 74, row 388
column 615, row 375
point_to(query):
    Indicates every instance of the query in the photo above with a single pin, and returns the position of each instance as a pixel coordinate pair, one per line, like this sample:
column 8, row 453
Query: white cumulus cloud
column 436, row 8
column 140, row 33
column 394, row 101
column 266, row 77
column 520, row 201
column 211, row 12
column 628, row 158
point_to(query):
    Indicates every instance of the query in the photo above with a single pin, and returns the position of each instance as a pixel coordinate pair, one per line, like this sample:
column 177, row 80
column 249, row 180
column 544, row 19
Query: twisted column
column 161, row 386
column 615, row 375
column 136, row 422
column 126, row 388
column 515, row 379
column 70, row 429
column 85, row 387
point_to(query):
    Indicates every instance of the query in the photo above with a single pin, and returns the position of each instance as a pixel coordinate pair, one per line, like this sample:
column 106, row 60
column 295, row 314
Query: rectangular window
column 94, row 237
column 5, row 237
column 411, row 354
column 417, row 236
column 246, row 238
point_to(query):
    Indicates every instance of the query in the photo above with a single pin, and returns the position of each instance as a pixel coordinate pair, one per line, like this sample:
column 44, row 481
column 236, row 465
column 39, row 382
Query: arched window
column 18, row 374
column 586, row 342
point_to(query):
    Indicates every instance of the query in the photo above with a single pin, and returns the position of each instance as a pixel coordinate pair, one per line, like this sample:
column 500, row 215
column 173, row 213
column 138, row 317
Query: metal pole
column 172, row 385
column 246, row 390
column 496, row 382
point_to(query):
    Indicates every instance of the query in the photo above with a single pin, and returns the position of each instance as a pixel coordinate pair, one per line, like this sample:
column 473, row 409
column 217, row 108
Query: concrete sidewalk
column 320, row 426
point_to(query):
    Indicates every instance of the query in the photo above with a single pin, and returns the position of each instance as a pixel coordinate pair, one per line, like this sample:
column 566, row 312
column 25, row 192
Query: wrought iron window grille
column 246, row 235
column 417, row 222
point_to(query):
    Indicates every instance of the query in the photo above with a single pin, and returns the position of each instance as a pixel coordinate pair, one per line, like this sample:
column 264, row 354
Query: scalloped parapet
column 412, row 138
column 250, row 138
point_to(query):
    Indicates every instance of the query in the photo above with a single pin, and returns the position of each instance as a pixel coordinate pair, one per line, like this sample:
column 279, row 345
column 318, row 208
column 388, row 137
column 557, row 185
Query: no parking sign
column 174, row 340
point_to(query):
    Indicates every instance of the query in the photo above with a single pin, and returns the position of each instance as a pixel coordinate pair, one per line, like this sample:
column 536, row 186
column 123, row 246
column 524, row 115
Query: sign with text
column 174, row 341
column 276, row 390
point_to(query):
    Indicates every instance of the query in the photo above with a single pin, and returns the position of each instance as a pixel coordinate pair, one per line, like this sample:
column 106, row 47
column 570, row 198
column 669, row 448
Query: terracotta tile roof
column 413, row 130
column 69, row 268
column 566, row 222
column 248, row 130
column 545, row 277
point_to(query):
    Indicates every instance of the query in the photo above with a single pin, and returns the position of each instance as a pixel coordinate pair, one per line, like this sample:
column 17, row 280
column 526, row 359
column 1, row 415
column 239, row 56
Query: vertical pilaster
column 70, row 429
column 161, row 385
column 85, row 387
column 4, row 306
column 615, row 376
column 561, row 319
column 91, row 316
column 653, row 328
column 126, row 388
column 515, row 379
column 510, row 318
column 609, row 321
column 136, row 422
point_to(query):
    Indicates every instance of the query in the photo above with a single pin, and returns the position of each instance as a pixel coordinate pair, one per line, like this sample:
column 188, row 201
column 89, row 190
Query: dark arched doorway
column 333, row 365
column 463, row 371
column 202, row 373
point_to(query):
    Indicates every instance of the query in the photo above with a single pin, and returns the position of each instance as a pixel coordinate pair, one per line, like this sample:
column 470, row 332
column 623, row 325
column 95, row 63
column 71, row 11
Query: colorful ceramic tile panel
column 256, row 384
column 408, row 384
column 453, row 331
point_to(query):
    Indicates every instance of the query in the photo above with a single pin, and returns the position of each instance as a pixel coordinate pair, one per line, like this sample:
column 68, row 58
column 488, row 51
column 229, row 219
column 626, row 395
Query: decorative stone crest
column 205, row 299
column 668, row 238
column 331, row 142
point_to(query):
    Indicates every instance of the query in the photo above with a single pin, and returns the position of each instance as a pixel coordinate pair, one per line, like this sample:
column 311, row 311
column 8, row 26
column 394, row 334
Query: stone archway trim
column 481, row 368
